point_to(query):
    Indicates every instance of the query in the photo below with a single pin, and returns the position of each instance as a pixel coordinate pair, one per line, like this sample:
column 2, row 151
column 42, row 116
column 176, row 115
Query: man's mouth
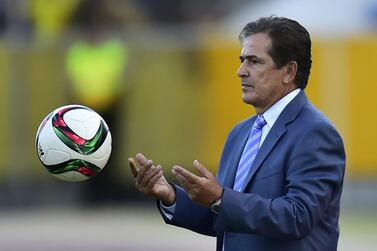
column 246, row 85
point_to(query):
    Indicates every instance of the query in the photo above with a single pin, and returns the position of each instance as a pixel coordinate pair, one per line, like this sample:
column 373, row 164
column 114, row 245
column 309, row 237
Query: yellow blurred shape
column 362, row 104
column 95, row 70
column 51, row 15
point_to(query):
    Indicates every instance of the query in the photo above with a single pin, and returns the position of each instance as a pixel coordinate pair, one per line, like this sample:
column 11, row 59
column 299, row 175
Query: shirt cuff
column 168, row 211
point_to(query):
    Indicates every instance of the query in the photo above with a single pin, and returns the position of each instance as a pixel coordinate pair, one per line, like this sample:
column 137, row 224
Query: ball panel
column 63, row 131
column 79, row 113
column 102, row 155
column 74, row 141
column 83, row 122
column 96, row 142
column 40, row 146
column 42, row 125
column 77, row 127
column 67, row 140
column 91, row 125
column 54, row 157
column 71, row 176
column 85, row 168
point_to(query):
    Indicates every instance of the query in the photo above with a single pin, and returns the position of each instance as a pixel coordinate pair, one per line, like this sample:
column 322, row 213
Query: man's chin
column 247, row 100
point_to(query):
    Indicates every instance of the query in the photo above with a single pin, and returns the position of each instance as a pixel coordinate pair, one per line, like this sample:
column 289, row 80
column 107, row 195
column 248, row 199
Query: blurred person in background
column 50, row 17
column 95, row 65
column 280, row 177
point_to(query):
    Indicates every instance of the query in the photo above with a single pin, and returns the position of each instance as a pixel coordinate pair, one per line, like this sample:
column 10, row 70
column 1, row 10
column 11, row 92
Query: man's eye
column 250, row 60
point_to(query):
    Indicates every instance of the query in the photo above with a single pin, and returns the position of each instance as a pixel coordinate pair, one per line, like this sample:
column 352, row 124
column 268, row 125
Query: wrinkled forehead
column 258, row 43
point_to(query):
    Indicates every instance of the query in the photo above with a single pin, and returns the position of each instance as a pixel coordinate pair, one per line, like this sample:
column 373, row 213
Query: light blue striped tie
column 249, row 152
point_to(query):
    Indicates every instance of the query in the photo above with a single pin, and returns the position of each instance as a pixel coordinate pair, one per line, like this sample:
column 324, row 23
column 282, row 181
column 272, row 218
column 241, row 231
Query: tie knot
column 260, row 122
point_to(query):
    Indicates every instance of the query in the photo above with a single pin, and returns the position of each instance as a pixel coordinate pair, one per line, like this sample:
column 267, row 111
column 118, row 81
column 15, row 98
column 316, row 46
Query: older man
column 280, row 177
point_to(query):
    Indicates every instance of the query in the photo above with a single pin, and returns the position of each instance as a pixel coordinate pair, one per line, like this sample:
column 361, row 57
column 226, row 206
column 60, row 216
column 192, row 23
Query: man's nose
column 242, row 71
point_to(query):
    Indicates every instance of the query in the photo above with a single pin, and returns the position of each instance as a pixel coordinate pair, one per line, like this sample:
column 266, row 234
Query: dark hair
column 290, row 41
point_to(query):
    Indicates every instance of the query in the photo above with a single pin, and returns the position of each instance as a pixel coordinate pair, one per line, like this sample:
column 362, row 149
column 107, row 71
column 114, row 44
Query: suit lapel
column 236, row 153
column 289, row 113
column 267, row 146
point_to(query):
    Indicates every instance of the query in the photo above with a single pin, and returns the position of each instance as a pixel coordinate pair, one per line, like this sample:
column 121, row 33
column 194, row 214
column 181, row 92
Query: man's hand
column 203, row 189
column 150, row 180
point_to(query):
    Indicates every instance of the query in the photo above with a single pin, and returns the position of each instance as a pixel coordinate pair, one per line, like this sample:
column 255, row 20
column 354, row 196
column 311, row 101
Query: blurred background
column 163, row 75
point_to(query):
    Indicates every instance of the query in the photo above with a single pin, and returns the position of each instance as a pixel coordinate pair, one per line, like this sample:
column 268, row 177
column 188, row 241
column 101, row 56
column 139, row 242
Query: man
column 281, row 172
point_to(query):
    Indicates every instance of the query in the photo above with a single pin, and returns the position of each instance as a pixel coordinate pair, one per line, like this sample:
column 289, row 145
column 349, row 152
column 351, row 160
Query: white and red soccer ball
column 73, row 142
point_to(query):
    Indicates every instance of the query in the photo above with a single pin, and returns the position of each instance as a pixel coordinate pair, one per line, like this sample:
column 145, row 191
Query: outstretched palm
column 149, row 179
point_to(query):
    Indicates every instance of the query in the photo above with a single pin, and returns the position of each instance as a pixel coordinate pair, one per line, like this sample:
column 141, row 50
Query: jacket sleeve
column 190, row 215
column 314, row 176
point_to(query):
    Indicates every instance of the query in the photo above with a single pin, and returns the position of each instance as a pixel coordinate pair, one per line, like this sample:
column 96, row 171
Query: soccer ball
column 73, row 142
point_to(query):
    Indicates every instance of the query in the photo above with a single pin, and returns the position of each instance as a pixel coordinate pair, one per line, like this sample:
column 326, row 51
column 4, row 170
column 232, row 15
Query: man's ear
column 290, row 72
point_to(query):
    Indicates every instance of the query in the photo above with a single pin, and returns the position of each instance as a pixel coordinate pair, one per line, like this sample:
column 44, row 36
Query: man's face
column 262, row 83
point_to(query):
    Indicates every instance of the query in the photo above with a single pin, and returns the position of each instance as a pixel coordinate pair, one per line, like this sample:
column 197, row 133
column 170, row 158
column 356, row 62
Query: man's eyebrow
column 248, row 57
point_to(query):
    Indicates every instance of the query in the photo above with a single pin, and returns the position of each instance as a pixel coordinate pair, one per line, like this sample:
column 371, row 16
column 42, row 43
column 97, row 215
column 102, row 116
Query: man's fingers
column 189, row 176
column 154, row 179
column 140, row 158
column 132, row 164
column 178, row 177
column 148, row 175
column 202, row 170
column 143, row 170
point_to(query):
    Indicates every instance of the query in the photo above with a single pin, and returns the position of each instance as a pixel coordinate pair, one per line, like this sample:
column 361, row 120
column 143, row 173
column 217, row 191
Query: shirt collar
column 272, row 114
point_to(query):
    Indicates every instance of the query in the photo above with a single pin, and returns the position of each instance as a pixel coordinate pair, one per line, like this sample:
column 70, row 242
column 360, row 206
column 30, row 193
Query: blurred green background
column 163, row 75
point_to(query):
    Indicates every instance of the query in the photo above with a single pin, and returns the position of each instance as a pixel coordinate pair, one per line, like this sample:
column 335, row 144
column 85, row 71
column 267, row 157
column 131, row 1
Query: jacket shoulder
column 311, row 116
column 241, row 125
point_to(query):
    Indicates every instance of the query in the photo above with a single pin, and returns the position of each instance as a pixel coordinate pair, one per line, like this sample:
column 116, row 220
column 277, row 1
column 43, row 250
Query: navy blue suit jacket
column 290, row 200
